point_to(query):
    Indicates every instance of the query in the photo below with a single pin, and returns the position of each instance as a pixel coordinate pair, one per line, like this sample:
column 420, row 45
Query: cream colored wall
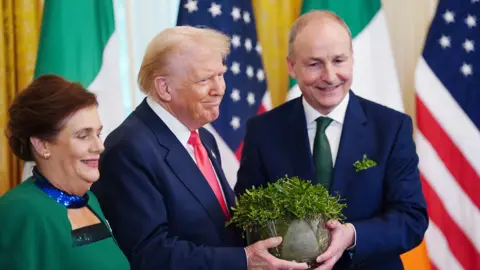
column 408, row 22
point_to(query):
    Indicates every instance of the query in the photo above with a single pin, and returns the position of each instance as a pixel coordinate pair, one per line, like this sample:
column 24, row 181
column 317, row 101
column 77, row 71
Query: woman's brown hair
column 41, row 109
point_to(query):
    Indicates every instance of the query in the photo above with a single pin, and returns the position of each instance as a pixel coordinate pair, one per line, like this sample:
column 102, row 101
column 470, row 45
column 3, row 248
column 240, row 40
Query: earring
column 46, row 155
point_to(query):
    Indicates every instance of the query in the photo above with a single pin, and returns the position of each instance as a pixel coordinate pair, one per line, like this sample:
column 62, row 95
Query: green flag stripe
column 291, row 82
column 357, row 14
column 73, row 37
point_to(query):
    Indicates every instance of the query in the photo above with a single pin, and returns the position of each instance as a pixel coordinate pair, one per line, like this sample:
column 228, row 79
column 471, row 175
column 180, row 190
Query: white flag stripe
column 438, row 249
column 267, row 101
column 461, row 130
column 107, row 87
column 374, row 74
column 458, row 205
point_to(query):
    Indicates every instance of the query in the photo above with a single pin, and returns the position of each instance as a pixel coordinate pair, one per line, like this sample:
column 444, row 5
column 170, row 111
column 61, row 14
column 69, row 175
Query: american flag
column 448, row 137
column 246, row 94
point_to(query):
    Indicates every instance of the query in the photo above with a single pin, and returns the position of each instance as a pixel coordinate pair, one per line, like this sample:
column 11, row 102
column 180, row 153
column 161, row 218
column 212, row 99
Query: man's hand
column 259, row 258
column 343, row 237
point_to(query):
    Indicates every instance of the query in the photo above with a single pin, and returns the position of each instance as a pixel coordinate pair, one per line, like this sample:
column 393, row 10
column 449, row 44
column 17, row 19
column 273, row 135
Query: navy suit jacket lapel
column 298, row 143
column 183, row 166
column 353, row 137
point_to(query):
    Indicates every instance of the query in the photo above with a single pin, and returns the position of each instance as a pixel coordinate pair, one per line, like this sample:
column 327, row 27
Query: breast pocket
column 365, row 193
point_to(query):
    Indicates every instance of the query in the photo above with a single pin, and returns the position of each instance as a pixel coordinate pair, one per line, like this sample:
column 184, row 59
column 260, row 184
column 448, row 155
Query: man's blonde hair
column 302, row 21
column 157, row 60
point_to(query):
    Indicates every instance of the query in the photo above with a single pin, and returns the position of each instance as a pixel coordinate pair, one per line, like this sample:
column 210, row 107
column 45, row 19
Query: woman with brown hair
column 52, row 220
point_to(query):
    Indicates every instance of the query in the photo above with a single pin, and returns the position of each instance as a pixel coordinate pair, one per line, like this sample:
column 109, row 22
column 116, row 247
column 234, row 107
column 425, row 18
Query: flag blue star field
column 451, row 53
column 246, row 92
column 447, row 86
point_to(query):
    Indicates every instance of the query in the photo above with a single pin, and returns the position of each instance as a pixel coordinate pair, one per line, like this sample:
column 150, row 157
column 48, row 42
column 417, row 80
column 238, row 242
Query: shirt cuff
column 355, row 240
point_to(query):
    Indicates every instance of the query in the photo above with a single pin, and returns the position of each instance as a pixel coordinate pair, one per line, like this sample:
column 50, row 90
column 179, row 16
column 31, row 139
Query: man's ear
column 290, row 64
column 162, row 88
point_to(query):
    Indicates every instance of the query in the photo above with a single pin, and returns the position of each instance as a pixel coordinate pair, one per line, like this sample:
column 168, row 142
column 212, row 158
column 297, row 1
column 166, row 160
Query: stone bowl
column 303, row 240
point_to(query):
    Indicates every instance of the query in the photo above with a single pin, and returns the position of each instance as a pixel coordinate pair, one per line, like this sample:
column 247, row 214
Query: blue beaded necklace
column 62, row 197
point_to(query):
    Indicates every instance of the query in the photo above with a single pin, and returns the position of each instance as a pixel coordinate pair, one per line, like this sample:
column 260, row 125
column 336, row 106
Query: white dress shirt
column 333, row 131
column 180, row 131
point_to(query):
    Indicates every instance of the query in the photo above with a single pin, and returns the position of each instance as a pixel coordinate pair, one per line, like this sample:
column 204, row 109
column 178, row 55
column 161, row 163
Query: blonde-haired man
column 162, row 187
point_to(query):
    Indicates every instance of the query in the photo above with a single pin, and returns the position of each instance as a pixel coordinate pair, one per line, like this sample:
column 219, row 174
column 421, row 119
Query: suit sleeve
column 135, row 209
column 251, row 171
column 405, row 220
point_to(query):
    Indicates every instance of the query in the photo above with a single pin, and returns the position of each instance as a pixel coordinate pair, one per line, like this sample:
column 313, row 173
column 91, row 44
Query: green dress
column 35, row 234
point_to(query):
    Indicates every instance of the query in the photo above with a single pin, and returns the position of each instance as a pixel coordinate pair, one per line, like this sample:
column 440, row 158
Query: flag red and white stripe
column 448, row 145
column 448, row 134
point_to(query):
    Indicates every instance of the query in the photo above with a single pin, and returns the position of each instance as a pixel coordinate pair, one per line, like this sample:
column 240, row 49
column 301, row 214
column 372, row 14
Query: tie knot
column 194, row 138
column 322, row 123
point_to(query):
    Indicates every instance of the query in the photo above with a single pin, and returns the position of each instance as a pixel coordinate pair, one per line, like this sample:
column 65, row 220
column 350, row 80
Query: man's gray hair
column 302, row 21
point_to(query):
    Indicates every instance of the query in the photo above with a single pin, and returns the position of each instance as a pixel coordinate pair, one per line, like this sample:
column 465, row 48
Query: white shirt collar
column 338, row 114
column 178, row 129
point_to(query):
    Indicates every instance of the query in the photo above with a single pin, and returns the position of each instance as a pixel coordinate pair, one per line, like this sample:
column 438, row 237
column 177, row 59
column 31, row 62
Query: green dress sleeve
column 28, row 236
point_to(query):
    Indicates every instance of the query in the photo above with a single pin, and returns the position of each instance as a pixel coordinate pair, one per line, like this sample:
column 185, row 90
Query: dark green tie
column 322, row 156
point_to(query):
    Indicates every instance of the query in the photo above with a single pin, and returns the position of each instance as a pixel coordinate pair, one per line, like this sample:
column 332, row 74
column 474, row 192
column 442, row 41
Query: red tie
column 203, row 163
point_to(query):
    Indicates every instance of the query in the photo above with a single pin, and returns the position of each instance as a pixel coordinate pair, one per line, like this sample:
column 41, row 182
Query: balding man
column 162, row 187
column 353, row 146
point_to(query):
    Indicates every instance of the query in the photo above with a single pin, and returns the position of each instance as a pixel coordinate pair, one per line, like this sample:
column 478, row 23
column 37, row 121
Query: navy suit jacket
column 162, row 211
column 385, row 203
